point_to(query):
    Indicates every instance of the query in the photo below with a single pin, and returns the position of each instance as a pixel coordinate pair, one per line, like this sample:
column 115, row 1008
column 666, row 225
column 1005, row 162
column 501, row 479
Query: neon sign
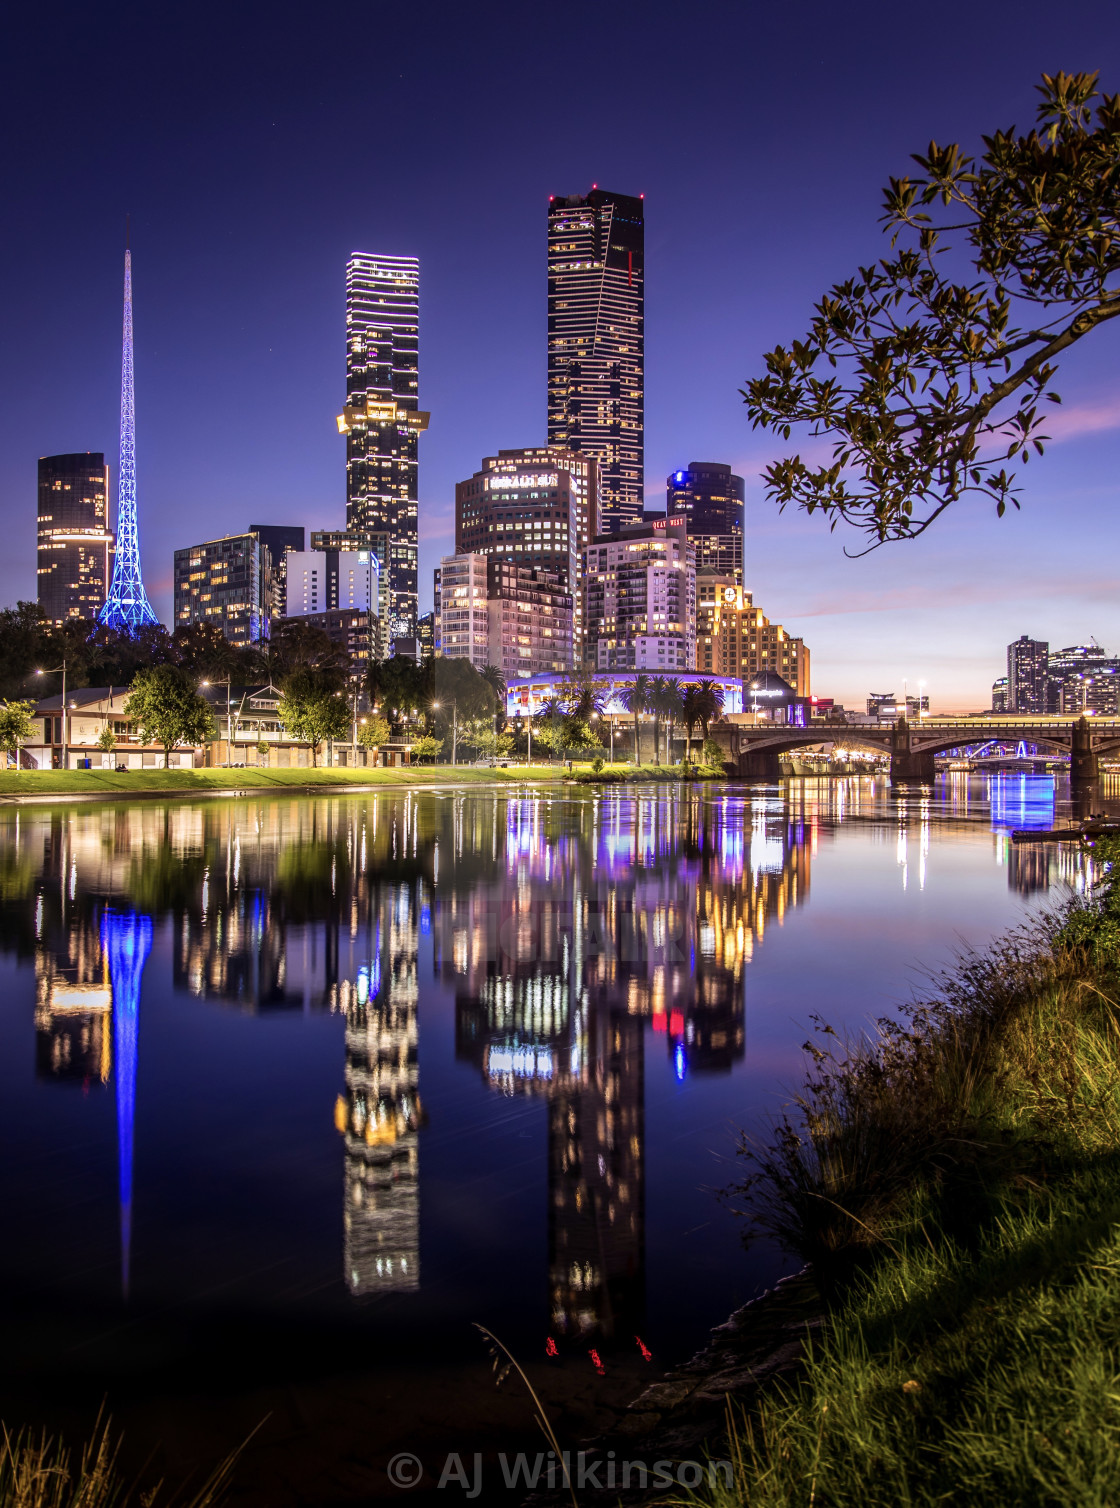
column 525, row 479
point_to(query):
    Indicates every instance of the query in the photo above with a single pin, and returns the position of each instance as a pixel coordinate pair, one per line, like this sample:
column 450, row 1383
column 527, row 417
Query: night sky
column 257, row 146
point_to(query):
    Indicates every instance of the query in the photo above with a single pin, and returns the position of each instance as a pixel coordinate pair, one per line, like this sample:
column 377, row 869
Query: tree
column 497, row 683
column 165, row 705
column 311, row 709
column 205, row 651
column 708, row 704
column 400, row 686
column 298, row 646
column 690, row 714
column 930, row 387
column 106, row 740
column 15, row 727
column 635, row 698
column 22, row 631
column 373, row 732
column 426, row 747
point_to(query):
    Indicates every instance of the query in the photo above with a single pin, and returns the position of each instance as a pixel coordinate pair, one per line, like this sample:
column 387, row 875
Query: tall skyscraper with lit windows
column 596, row 342
column 76, row 544
column 382, row 420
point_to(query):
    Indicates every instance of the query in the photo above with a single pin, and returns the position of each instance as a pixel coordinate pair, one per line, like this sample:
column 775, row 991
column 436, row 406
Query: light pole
column 529, row 732
column 65, row 713
column 454, row 726
column 921, row 710
column 229, row 749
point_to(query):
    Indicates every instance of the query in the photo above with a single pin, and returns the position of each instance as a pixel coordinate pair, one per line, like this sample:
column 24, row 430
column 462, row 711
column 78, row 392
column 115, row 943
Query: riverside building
column 494, row 612
column 382, row 420
column 596, row 342
column 639, row 599
column 710, row 498
column 736, row 638
column 226, row 582
column 75, row 544
column 280, row 539
column 535, row 507
column 1028, row 675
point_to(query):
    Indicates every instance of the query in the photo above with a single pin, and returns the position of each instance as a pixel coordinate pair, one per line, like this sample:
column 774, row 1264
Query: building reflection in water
column 596, row 919
column 569, row 929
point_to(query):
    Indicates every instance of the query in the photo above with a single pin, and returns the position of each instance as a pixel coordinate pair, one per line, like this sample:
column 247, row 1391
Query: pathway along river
column 293, row 1090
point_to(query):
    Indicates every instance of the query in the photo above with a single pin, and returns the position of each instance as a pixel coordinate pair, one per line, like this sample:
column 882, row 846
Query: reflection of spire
column 127, row 940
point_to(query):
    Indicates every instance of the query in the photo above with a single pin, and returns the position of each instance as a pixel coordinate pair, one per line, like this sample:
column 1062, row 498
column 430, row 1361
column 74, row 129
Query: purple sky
column 256, row 146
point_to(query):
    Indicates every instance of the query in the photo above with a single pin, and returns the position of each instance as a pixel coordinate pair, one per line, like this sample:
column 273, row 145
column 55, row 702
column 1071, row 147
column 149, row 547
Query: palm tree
column 497, row 683
column 551, row 715
column 655, row 703
column 635, row 698
column 691, row 714
column 709, row 699
column 669, row 698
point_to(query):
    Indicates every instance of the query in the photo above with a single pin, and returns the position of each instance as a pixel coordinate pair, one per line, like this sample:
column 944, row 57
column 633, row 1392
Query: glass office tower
column 75, row 543
column 596, row 342
column 382, row 420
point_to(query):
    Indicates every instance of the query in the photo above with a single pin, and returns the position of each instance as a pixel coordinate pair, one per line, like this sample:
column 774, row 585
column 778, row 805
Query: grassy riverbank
column 65, row 783
column 957, row 1189
column 174, row 782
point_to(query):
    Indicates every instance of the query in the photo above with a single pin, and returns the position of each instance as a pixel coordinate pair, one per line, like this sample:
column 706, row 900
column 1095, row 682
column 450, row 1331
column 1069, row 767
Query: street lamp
column 454, row 726
column 921, row 699
column 65, row 712
column 229, row 750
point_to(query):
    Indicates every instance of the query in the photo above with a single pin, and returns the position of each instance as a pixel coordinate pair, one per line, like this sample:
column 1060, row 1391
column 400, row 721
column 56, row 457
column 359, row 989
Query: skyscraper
column 281, row 539
column 1028, row 675
column 75, row 542
column 127, row 607
column 710, row 497
column 226, row 582
column 382, row 420
column 596, row 342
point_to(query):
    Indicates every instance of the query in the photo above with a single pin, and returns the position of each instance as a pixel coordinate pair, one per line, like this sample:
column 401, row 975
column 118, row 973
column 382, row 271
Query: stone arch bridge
column 752, row 750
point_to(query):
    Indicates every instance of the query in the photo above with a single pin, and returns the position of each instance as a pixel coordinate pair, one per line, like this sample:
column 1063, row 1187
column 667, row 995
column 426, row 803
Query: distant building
column 639, row 599
column 710, row 498
column 1083, row 679
column 280, row 539
column 226, row 582
column 321, row 580
column 462, row 619
column 1028, row 675
column 536, row 507
column 425, row 632
column 888, row 707
column 76, row 545
column 734, row 637
column 350, row 627
column 999, row 694
column 596, row 342
column 376, row 541
column 382, row 420
column 530, row 620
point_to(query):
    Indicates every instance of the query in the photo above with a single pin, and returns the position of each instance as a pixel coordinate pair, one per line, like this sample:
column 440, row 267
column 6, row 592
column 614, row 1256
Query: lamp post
column 65, row 712
column 454, row 726
column 921, row 710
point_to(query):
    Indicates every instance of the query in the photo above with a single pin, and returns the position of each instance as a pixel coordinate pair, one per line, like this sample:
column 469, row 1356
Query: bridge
column 752, row 750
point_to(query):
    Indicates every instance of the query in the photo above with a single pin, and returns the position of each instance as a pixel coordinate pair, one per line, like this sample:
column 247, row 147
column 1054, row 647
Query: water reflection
column 587, row 942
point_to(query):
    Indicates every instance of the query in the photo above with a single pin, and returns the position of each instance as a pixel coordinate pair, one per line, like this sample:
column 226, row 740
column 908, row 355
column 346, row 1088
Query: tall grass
column 37, row 1471
column 956, row 1185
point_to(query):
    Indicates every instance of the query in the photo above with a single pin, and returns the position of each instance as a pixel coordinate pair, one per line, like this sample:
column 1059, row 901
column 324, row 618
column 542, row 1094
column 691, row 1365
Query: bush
column 597, row 763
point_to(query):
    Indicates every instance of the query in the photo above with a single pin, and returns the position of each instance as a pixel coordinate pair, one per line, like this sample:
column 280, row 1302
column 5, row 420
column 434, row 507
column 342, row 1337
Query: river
column 294, row 1090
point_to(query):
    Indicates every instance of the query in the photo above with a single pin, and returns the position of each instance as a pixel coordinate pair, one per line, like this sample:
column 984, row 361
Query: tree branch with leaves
column 928, row 387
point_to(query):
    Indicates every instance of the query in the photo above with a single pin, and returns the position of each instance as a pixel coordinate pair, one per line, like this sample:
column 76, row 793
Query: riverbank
column 37, row 785
column 111, row 785
column 956, row 1188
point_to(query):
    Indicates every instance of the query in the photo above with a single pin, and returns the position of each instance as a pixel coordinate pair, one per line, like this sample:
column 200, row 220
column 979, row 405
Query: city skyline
column 237, row 355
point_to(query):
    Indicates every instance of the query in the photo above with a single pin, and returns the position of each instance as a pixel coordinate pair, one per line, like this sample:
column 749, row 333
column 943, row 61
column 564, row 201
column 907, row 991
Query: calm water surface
column 303, row 1085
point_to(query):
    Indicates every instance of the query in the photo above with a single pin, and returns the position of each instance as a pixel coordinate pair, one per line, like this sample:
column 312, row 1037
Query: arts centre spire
column 127, row 607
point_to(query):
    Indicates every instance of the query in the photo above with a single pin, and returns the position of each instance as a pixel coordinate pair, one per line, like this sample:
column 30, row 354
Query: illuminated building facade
column 281, row 539
column 736, row 638
column 639, row 599
column 1028, row 675
column 596, row 342
column 710, row 498
column 535, row 507
column 75, row 545
column 493, row 612
column 226, row 582
column 382, row 420
column 322, row 579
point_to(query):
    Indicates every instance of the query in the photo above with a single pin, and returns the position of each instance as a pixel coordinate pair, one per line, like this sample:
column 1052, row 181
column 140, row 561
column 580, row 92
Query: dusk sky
column 256, row 146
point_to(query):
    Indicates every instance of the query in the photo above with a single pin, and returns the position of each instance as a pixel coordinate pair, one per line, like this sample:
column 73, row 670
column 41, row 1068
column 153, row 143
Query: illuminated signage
column 729, row 594
column 525, row 479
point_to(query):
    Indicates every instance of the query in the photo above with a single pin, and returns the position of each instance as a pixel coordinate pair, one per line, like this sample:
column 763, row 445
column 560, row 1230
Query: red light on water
column 596, row 1363
column 676, row 1024
column 660, row 1021
column 550, row 1347
column 647, row 1354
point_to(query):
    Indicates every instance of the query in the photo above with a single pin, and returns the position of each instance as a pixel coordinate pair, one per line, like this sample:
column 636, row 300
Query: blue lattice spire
column 127, row 607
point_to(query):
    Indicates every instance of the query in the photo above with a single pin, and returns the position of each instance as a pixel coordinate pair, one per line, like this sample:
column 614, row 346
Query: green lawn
column 133, row 782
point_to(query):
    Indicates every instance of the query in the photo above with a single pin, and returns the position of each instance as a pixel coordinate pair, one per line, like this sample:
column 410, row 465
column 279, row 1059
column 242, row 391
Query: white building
column 322, row 580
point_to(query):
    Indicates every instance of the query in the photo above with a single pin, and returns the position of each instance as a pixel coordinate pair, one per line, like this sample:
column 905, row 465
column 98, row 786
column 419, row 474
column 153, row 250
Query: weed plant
column 956, row 1186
